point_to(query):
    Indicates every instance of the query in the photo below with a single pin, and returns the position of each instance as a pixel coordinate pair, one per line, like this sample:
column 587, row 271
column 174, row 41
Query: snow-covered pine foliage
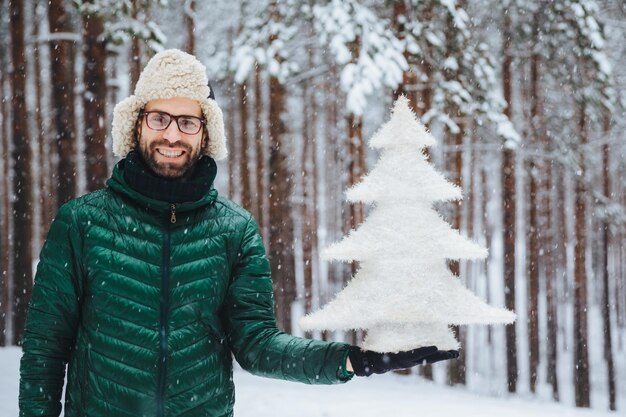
column 121, row 26
column 404, row 295
column 364, row 46
column 459, row 66
column 263, row 39
column 575, row 44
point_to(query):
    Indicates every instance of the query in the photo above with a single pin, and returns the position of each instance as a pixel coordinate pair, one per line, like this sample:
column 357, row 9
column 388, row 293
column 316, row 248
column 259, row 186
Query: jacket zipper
column 164, row 328
column 172, row 213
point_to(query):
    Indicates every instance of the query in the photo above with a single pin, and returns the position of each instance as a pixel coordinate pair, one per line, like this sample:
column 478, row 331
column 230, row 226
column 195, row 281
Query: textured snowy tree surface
column 404, row 294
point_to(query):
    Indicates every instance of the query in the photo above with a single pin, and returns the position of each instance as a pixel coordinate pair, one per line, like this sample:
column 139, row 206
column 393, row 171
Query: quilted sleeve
column 257, row 344
column 51, row 321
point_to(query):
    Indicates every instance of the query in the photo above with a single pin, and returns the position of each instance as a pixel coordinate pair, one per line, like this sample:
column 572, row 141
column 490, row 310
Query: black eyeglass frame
column 144, row 113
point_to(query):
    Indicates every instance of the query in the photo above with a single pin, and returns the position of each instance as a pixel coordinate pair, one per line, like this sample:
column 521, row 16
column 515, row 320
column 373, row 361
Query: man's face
column 171, row 153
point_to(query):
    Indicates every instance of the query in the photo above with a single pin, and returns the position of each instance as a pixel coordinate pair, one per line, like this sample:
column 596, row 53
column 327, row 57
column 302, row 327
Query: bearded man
column 146, row 288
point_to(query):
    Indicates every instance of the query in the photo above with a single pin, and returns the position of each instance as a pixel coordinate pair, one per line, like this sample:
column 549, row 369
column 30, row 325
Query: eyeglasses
column 158, row 120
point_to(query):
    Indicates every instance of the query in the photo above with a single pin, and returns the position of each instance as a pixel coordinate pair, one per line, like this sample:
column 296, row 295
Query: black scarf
column 143, row 180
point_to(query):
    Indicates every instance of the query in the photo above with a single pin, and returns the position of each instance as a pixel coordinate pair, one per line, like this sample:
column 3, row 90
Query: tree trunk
column 22, row 202
column 483, row 159
column 606, row 312
column 457, row 368
column 533, row 232
column 231, row 187
column 356, row 167
column 244, row 159
column 259, row 148
column 190, row 26
column 41, row 175
column 281, row 226
column 356, row 158
column 62, row 79
column 550, row 271
column 113, row 92
column 620, row 293
column 424, row 98
column 309, row 195
column 94, row 99
column 244, row 171
column 308, row 232
column 5, row 205
column 620, row 285
column 562, row 240
column 581, row 359
column 135, row 49
column 508, row 208
column 333, row 169
column 408, row 87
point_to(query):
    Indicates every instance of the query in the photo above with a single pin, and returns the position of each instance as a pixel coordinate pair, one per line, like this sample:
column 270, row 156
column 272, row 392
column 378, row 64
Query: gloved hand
column 367, row 362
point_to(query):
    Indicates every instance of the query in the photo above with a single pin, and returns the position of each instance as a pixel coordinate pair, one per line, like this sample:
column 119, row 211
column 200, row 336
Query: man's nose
column 172, row 133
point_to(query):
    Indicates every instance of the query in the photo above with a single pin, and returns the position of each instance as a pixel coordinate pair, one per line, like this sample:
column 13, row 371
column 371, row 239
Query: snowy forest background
column 527, row 99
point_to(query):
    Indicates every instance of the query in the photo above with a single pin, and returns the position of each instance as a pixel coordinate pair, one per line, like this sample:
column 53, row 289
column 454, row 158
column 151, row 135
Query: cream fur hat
column 170, row 73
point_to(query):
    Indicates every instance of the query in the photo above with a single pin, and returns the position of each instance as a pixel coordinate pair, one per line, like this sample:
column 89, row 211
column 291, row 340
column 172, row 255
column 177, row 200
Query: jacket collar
column 119, row 183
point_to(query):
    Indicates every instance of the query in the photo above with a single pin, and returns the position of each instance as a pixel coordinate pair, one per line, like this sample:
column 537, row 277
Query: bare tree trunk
column 550, row 277
column 309, row 195
column 544, row 232
column 424, row 98
column 259, row 148
column 408, row 87
column 190, row 26
column 95, row 99
column 508, row 207
column 135, row 49
column 22, row 203
column 62, row 79
column 533, row 220
column 333, row 167
column 606, row 312
column 620, row 293
column 313, row 218
column 488, row 226
column 581, row 358
column 356, row 167
column 45, row 195
column 281, row 226
column 356, row 154
column 244, row 159
column 231, row 187
column 308, row 232
column 244, row 171
column 562, row 240
column 5, row 205
column 457, row 368
column 620, row 285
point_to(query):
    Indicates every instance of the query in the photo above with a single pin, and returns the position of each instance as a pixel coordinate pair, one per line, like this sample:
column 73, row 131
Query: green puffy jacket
column 146, row 312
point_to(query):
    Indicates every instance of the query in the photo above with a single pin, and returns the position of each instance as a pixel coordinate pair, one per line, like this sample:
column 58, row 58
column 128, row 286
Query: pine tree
column 404, row 295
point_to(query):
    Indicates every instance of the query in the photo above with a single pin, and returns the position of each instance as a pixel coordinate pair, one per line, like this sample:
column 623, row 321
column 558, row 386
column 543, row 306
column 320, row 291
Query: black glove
column 367, row 362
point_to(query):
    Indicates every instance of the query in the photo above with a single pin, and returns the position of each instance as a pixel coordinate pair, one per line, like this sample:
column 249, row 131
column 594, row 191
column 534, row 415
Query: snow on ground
column 387, row 395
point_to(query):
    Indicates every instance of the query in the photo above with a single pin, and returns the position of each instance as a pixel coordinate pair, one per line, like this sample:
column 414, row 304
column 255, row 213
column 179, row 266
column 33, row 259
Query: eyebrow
column 177, row 115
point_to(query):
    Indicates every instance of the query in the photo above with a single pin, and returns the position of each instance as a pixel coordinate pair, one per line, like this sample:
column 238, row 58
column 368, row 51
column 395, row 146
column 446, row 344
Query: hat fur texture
column 170, row 73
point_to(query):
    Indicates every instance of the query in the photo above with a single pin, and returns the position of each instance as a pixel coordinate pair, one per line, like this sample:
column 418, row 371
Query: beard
column 181, row 168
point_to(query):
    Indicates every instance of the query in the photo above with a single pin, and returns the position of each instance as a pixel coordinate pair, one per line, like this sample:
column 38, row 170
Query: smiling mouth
column 169, row 153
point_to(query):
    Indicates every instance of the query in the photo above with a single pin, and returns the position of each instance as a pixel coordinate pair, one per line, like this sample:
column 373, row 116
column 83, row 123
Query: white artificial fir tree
column 404, row 295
